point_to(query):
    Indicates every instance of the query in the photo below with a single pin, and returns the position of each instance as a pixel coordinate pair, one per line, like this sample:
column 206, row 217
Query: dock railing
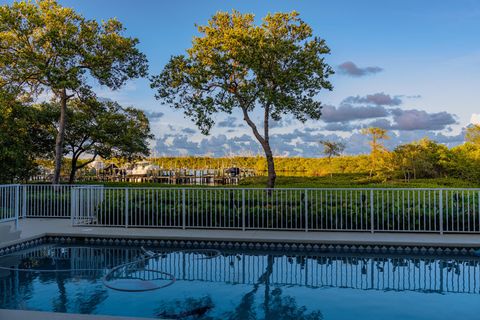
column 296, row 209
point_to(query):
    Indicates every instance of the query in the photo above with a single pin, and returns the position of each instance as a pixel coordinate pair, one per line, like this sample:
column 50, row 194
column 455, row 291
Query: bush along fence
column 368, row 210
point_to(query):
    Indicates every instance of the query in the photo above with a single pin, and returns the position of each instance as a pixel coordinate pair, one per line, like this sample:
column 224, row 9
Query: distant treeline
column 419, row 159
column 283, row 165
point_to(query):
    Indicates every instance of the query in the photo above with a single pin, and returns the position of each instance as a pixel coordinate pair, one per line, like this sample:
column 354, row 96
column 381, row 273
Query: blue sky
column 424, row 57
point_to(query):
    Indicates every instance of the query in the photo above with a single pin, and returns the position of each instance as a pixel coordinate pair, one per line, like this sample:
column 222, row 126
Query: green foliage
column 24, row 137
column 421, row 159
column 473, row 134
column 332, row 148
column 53, row 47
column 377, row 148
column 102, row 129
column 463, row 162
column 47, row 47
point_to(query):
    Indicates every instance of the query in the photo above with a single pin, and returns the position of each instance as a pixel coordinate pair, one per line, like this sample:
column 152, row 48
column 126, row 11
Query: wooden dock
column 174, row 176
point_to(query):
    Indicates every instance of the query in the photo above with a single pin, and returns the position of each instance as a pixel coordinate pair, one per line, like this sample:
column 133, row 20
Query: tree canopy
column 277, row 66
column 473, row 134
column 24, row 138
column 376, row 145
column 102, row 129
column 332, row 148
column 47, row 47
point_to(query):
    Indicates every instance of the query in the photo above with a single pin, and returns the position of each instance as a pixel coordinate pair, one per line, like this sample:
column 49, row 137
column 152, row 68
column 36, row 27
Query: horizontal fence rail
column 367, row 210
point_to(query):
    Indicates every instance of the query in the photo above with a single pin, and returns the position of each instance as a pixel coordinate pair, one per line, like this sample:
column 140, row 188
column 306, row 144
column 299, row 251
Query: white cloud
column 475, row 119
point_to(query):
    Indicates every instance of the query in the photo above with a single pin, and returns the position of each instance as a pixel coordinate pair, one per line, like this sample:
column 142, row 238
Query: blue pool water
column 210, row 284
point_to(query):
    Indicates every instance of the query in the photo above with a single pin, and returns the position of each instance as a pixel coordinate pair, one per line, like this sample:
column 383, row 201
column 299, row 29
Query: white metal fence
column 370, row 210
column 9, row 203
column 46, row 200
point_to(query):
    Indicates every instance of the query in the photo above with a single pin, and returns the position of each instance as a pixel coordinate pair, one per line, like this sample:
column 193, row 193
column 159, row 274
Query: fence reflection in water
column 426, row 274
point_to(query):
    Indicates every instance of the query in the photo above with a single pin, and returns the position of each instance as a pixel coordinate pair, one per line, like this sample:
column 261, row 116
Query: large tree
column 235, row 64
column 102, row 129
column 45, row 47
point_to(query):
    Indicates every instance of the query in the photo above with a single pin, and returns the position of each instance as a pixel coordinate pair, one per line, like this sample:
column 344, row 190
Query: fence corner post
column 372, row 211
column 243, row 209
column 73, row 205
column 24, row 201
column 440, row 201
column 126, row 207
column 184, row 215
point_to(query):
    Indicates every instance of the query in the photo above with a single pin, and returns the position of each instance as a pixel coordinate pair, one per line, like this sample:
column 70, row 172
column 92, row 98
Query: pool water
column 212, row 284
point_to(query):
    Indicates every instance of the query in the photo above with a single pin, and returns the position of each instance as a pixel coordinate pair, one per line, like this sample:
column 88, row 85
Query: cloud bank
column 351, row 69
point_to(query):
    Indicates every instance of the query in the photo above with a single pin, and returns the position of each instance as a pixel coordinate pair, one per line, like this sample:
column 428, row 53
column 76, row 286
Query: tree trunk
column 265, row 142
column 73, row 170
column 60, row 136
column 272, row 175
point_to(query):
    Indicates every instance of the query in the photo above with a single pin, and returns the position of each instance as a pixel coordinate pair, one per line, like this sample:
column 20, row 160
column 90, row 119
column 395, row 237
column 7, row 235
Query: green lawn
column 358, row 181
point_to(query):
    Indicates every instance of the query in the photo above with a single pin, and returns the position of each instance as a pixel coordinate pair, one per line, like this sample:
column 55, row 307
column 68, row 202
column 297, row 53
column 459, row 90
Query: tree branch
column 88, row 162
column 252, row 125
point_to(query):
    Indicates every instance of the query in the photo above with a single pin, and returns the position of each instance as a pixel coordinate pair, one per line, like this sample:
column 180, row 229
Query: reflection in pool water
column 239, row 285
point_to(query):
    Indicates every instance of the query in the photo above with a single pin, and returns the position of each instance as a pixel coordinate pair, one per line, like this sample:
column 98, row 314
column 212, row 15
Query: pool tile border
column 240, row 245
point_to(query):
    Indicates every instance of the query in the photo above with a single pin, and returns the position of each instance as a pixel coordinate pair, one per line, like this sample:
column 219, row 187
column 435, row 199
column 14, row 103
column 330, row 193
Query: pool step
column 7, row 233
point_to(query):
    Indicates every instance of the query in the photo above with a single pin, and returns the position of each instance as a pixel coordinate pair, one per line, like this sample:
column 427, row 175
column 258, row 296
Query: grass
column 357, row 181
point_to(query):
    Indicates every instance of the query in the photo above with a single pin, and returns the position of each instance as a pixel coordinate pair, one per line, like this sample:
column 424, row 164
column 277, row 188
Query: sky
column 409, row 66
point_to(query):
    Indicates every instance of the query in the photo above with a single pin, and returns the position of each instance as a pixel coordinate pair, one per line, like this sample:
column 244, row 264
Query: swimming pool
column 226, row 284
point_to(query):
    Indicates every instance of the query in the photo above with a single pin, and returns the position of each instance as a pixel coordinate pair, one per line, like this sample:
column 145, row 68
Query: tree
column 420, row 159
column 377, row 134
column 24, row 137
column 332, row 149
column 464, row 162
column 473, row 134
column 103, row 129
column 47, row 47
column 235, row 64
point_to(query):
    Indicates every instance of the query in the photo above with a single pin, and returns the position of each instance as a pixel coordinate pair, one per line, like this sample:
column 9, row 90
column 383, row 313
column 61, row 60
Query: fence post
column 24, row 202
column 126, row 207
column 73, row 205
column 17, row 204
column 243, row 209
column 440, row 200
column 183, row 209
column 306, row 210
column 372, row 210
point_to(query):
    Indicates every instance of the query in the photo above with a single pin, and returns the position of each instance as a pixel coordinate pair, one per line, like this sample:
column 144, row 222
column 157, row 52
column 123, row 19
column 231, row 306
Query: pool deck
column 34, row 228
